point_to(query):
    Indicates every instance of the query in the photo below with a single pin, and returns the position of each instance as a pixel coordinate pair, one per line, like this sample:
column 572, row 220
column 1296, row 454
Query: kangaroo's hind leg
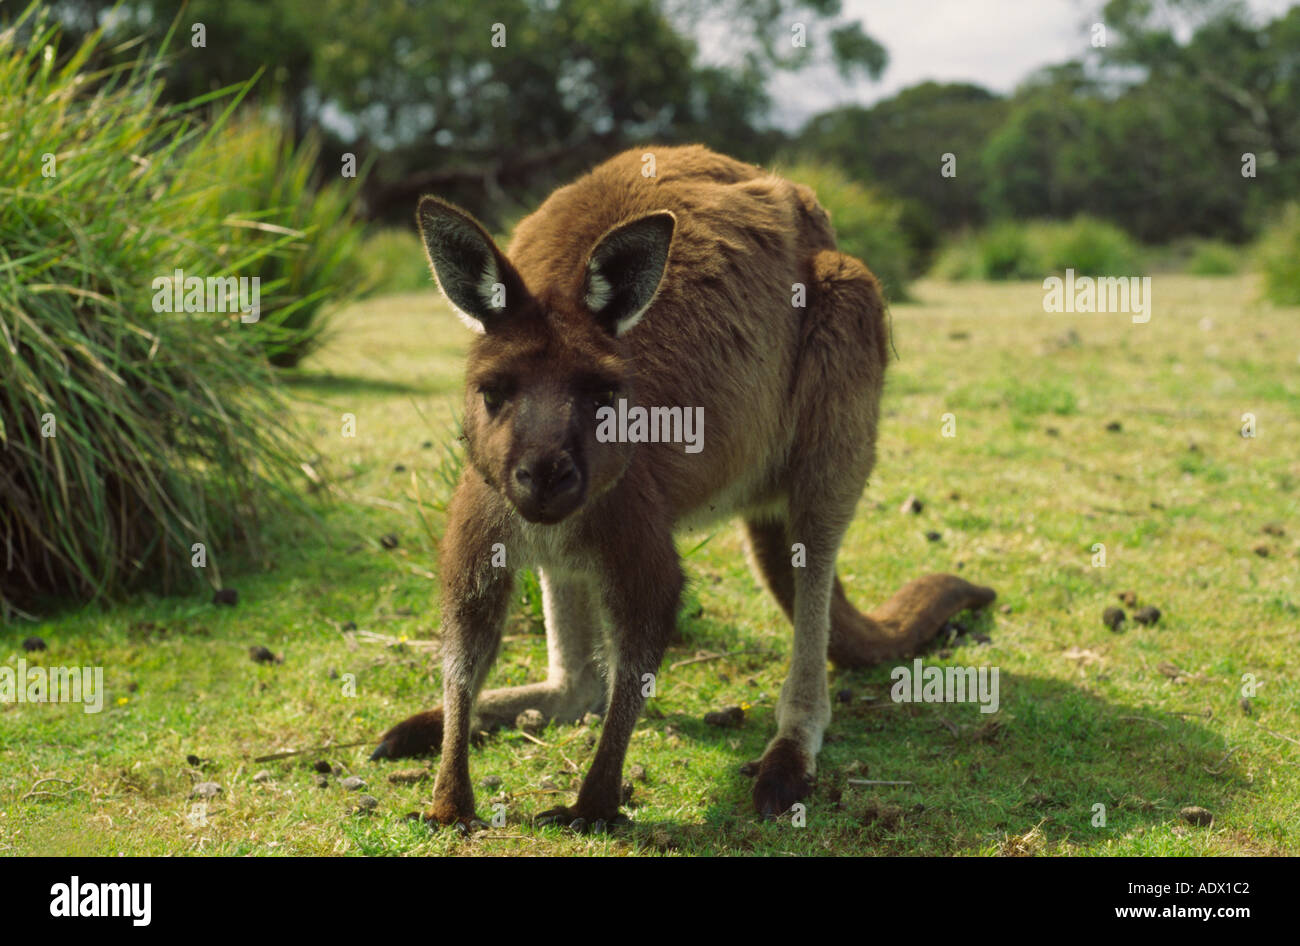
column 574, row 683
column 842, row 358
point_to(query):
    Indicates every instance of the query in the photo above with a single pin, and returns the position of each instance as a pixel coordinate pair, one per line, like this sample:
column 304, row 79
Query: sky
column 993, row 43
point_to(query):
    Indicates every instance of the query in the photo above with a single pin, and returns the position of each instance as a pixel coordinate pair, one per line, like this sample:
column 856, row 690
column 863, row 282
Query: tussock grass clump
column 271, row 187
column 127, row 436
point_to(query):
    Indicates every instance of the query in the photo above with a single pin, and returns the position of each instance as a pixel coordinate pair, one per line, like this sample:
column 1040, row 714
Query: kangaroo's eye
column 605, row 398
column 492, row 398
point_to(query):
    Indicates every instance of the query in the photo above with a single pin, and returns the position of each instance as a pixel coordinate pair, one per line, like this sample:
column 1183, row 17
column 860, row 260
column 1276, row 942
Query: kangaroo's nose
column 547, row 477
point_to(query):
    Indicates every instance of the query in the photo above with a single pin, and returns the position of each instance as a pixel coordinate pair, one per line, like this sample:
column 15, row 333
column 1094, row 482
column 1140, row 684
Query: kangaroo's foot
column 421, row 734
column 573, row 818
column 782, row 777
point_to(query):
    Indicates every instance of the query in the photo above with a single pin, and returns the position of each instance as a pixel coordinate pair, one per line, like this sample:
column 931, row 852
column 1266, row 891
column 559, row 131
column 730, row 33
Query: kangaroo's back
column 734, row 315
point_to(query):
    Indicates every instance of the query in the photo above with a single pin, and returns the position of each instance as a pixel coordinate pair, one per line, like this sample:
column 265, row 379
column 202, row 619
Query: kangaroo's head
column 548, row 356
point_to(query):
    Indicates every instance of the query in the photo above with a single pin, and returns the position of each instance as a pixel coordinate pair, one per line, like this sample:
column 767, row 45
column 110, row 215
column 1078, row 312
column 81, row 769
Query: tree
column 483, row 97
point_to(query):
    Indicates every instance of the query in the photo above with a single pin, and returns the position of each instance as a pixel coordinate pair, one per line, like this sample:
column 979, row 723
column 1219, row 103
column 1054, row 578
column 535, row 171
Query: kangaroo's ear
column 471, row 272
column 626, row 268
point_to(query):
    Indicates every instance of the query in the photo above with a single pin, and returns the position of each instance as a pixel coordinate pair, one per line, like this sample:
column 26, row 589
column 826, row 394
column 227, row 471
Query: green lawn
column 1145, row 721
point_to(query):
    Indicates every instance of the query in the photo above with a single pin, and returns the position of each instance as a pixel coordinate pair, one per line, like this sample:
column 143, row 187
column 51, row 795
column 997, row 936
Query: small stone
column 388, row 540
column 206, row 790
column 226, row 596
column 399, row 468
column 531, row 721
column 1129, row 598
column 353, row 783
column 728, row 718
column 33, row 644
column 492, row 781
column 933, row 536
column 637, row 772
column 262, row 776
column 427, row 445
column 1113, row 618
column 367, row 803
column 1195, row 814
column 547, row 784
column 1261, row 550
column 194, row 760
column 262, row 655
column 322, row 782
column 1147, row 615
column 1114, row 427
column 323, row 767
column 911, row 506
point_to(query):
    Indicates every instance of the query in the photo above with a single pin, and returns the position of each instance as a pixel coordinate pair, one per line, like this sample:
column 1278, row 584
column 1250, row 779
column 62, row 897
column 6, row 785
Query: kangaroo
column 672, row 285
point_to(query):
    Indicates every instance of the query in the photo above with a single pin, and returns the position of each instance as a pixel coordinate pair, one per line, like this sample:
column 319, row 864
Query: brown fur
column 790, row 401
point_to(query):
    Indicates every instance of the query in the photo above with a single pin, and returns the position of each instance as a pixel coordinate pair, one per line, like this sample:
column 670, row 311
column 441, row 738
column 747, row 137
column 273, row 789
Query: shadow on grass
column 1027, row 776
column 325, row 383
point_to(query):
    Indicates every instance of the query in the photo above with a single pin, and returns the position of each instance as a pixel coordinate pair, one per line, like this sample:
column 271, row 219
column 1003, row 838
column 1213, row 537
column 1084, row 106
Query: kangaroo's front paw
column 419, row 735
column 571, row 817
column 784, row 776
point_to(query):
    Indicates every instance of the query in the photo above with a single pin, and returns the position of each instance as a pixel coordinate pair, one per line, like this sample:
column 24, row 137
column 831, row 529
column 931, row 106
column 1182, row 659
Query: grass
column 129, row 435
column 1031, row 482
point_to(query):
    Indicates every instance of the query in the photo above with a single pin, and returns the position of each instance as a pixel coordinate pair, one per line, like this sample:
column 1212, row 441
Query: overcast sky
column 994, row 43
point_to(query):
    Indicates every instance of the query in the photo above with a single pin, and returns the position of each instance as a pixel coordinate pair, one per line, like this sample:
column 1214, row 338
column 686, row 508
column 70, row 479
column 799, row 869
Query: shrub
column 393, row 260
column 868, row 224
column 1214, row 258
column 1035, row 249
column 126, row 435
column 1279, row 258
column 1089, row 246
